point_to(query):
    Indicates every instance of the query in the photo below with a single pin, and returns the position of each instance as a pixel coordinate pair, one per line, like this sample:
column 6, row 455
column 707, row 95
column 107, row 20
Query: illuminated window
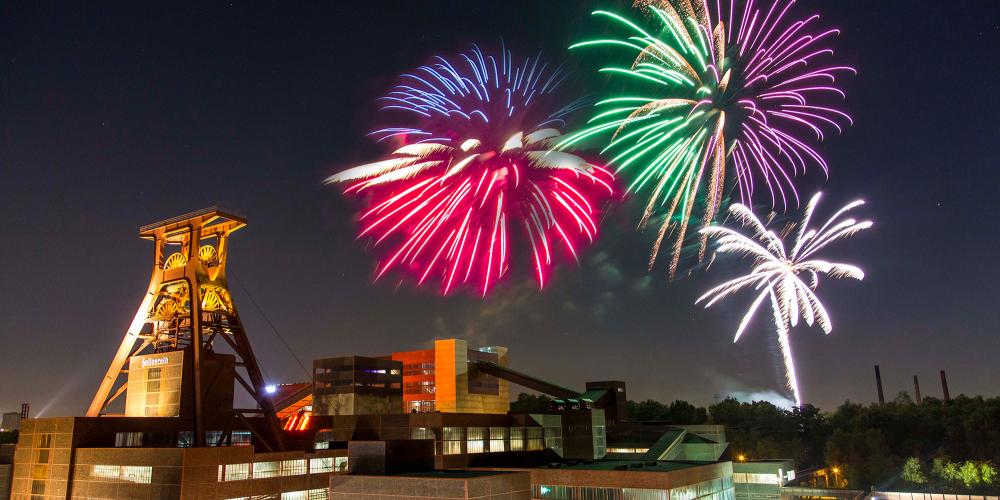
column 142, row 474
column 628, row 450
column 43, row 441
column 453, row 437
column 340, row 463
column 535, row 440
column 40, row 472
column 128, row 439
column 265, row 469
column 595, row 493
column 234, row 472
column 516, row 438
column 314, row 494
column 109, row 472
column 498, row 439
column 293, row 467
column 757, row 478
column 137, row 474
column 318, row 465
column 477, row 439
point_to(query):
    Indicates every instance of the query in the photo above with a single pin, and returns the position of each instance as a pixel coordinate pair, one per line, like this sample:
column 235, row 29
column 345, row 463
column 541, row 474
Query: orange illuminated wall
column 438, row 380
column 418, row 380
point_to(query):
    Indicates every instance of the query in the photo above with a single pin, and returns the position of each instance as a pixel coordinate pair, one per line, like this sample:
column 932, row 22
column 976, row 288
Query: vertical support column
column 878, row 383
column 944, row 387
column 916, row 389
column 194, row 297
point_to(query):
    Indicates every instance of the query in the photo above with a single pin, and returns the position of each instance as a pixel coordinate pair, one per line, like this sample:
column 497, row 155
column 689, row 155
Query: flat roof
column 455, row 474
column 634, row 465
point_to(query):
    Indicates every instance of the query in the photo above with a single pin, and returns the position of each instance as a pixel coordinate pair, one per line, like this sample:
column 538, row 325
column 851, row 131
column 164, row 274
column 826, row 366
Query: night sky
column 117, row 115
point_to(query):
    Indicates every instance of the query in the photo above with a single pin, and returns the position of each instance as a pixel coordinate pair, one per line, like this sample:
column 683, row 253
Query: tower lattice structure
column 188, row 307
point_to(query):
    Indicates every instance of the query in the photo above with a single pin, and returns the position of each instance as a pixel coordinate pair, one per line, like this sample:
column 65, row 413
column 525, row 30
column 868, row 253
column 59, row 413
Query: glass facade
column 498, row 439
column 716, row 489
column 298, row 467
column 141, row 474
column 452, row 442
column 517, row 439
column 477, row 440
column 535, row 438
column 293, row 467
column 265, row 469
column 128, row 439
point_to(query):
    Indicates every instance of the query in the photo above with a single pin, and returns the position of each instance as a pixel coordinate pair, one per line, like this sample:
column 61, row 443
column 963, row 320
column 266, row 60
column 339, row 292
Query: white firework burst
column 788, row 277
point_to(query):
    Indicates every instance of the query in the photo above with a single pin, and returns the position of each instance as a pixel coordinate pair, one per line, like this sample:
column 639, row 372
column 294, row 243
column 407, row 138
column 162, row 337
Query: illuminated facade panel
column 154, row 385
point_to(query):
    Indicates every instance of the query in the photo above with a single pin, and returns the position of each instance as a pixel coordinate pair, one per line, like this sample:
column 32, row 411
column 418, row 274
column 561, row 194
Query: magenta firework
column 474, row 178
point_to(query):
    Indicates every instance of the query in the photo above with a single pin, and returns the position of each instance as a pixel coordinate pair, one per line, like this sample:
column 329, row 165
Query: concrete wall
column 43, row 457
column 92, row 478
column 6, row 470
column 356, row 404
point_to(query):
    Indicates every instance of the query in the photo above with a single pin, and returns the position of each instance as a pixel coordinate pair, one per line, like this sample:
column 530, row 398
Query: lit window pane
column 265, row 469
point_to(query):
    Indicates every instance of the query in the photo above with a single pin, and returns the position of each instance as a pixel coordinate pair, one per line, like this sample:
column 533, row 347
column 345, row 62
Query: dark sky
column 120, row 114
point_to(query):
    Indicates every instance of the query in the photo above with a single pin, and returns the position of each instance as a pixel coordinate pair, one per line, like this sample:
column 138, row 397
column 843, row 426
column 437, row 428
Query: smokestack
column 25, row 409
column 944, row 387
column 916, row 389
column 878, row 383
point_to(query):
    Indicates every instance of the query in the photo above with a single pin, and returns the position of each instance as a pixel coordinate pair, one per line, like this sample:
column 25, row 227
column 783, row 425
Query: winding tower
column 168, row 357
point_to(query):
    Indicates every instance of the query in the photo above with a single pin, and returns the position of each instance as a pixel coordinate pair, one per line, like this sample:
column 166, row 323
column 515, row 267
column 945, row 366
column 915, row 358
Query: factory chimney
column 944, row 387
column 878, row 383
column 916, row 389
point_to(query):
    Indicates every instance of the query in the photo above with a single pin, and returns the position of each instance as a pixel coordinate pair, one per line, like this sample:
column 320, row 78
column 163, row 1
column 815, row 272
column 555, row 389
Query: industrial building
column 170, row 419
column 11, row 421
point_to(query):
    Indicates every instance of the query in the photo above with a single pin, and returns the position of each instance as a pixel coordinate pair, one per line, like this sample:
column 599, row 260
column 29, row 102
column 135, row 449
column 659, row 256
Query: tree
column 913, row 471
column 988, row 473
column 531, row 403
column 968, row 474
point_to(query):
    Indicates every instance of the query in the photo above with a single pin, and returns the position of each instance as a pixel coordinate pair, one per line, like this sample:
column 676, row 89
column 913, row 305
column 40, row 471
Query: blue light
column 270, row 389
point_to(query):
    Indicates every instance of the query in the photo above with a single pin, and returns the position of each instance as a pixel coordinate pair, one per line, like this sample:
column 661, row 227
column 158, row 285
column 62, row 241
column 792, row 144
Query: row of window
column 261, row 470
column 752, row 478
column 185, row 439
column 628, row 450
column 314, row 494
column 350, row 369
column 588, row 493
column 476, row 438
column 141, row 474
column 716, row 489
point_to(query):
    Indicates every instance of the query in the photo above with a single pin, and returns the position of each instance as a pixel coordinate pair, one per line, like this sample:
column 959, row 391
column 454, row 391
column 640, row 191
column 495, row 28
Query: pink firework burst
column 478, row 177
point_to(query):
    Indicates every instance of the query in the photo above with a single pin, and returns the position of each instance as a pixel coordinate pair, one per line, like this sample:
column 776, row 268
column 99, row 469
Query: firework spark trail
column 777, row 274
column 478, row 174
column 744, row 86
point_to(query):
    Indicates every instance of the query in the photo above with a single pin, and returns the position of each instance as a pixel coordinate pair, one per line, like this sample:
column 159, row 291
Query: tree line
column 869, row 444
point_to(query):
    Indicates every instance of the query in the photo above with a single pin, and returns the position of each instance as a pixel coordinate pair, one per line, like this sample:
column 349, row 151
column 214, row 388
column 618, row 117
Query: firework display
column 746, row 86
column 476, row 177
column 786, row 276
